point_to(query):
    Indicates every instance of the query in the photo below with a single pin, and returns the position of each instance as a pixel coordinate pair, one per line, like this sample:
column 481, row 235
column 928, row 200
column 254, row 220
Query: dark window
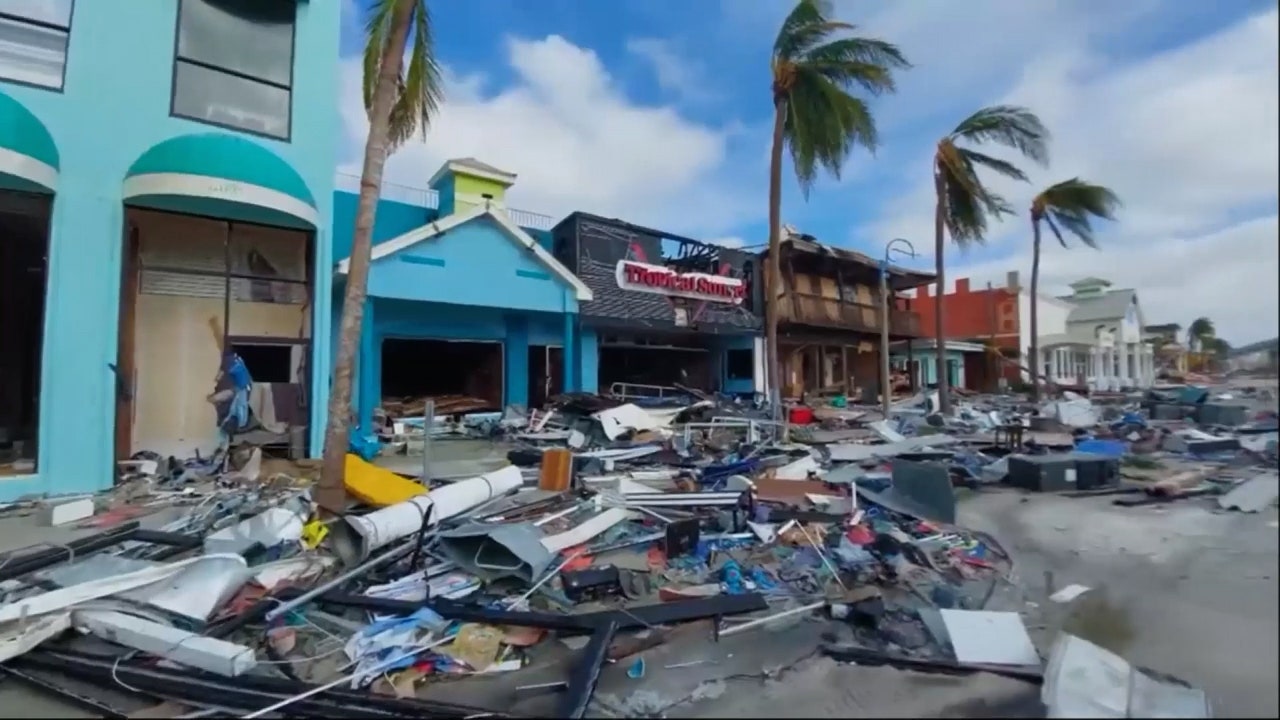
column 33, row 41
column 267, row 363
column 234, row 64
column 740, row 364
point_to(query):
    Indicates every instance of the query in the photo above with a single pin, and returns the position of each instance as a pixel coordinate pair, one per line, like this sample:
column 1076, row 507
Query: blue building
column 464, row 296
column 166, row 181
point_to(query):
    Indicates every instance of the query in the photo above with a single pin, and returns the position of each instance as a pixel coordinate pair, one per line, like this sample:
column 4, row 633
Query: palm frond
column 823, row 124
column 1073, row 205
column 857, row 61
column 1008, row 125
column 807, row 25
column 1053, row 227
column 377, row 27
column 420, row 88
column 994, row 164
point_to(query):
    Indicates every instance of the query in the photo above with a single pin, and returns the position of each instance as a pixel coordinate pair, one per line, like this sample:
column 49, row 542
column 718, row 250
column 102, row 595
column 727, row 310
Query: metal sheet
column 1252, row 495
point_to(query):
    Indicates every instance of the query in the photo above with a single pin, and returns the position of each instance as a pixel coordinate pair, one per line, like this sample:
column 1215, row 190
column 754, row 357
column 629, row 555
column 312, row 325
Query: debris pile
column 609, row 528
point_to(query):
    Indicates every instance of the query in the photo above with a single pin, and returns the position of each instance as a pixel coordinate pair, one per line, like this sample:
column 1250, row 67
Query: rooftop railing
column 428, row 198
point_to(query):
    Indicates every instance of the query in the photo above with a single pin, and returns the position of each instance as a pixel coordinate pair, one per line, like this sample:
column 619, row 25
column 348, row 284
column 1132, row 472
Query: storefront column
column 368, row 371
column 516, row 361
column 569, row 359
column 81, row 326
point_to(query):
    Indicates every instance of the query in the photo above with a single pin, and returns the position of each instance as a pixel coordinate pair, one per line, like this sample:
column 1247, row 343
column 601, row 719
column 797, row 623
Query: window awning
column 222, row 176
column 28, row 155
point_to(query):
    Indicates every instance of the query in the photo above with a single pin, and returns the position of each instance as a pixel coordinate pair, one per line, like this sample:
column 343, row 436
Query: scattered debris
column 608, row 526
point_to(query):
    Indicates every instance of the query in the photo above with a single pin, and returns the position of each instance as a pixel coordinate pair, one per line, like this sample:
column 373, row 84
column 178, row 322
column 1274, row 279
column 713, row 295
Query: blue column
column 588, row 356
column 368, row 369
column 516, row 361
column 568, row 360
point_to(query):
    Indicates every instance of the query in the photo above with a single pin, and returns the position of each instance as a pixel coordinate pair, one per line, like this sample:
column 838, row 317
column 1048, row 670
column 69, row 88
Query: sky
column 658, row 112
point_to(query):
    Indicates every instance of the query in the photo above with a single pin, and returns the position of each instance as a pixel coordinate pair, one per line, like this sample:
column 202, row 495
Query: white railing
column 426, row 197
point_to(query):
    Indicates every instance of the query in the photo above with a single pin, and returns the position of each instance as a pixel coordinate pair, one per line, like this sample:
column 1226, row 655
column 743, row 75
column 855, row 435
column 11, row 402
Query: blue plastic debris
column 1109, row 448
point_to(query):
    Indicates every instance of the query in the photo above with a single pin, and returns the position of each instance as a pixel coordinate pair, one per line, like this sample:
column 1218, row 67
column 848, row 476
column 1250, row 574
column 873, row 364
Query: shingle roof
column 1110, row 305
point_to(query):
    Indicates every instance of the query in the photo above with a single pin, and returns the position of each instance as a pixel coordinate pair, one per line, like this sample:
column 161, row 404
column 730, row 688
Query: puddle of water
column 1094, row 617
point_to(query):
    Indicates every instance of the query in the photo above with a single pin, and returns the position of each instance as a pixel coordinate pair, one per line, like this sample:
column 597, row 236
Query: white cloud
column 1188, row 139
column 674, row 71
column 575, row 140
column 729, row 242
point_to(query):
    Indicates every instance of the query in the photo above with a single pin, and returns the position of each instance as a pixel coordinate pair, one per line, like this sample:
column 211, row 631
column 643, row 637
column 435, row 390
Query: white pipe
column 776, row 616
column 357, row 536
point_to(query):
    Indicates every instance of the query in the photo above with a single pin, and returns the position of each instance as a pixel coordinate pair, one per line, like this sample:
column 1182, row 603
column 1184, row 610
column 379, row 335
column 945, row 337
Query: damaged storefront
column 668, row 311
column 177, row 319
column 465, row 309
column 830, row 317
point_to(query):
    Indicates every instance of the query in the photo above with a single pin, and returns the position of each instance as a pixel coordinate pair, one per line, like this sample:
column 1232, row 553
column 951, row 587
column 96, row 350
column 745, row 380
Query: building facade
column 166, row 179
column 829, row 318
column 666, row 310
column 1092, row 338
column 465, row 299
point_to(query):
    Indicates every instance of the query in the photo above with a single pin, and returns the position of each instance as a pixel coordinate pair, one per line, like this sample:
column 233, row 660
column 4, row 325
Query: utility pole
column 886, row 382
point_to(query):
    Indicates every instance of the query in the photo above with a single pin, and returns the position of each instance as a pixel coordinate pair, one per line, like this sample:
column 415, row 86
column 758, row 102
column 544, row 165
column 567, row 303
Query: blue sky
column 657, row 111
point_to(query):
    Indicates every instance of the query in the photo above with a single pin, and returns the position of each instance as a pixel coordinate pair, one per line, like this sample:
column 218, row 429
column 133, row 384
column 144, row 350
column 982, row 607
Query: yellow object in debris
column 314, row 533
column 377, row 486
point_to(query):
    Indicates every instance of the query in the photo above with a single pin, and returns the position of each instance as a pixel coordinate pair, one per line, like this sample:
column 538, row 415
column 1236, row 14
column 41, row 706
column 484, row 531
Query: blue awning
column 219, row 175
column 28, row 155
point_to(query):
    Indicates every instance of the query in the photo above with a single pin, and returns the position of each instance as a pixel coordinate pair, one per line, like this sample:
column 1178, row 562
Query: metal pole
column 886, row 388
column 886, row 383
column 354, row 572
column 428, row 424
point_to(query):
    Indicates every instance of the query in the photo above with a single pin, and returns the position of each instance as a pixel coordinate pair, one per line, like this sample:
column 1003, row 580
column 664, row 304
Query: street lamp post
column 886, row 383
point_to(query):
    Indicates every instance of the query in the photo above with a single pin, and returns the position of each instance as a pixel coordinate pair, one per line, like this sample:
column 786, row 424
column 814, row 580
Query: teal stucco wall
column 114, row 106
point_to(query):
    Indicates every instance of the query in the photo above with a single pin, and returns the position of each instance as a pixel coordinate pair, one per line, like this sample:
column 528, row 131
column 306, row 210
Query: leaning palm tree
column 1071, row 205
column 817, row 66
column 965, row 206
column 1199, row 332
column 400, row 102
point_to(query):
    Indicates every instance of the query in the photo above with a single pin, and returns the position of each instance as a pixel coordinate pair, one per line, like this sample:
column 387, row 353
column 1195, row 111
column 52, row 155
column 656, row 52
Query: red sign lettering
column 642, row 277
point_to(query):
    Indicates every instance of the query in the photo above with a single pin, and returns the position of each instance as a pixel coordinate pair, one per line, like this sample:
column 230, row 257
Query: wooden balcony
column 812, row 309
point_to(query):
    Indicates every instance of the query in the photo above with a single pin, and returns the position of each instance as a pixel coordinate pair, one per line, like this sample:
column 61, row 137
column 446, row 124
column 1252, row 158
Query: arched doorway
column 216, row 300
column 29, row 166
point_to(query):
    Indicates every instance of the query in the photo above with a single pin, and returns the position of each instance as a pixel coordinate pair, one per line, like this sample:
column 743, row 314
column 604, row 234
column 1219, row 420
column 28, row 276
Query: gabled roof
column 472, row 166
column 514, row 232
column 1110, row 305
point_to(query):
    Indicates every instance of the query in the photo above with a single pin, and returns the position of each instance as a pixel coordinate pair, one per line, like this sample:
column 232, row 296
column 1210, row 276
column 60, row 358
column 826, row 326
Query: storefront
column 464, row 307
column 667, row 310
column 159, row 216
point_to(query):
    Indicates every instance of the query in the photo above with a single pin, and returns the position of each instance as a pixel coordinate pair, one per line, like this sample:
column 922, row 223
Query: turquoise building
column 465, row 298
column 166, row 186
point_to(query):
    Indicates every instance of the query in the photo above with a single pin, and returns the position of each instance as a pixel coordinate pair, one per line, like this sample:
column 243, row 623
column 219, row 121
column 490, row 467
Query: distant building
column 1259, row 356
column 1092, row 337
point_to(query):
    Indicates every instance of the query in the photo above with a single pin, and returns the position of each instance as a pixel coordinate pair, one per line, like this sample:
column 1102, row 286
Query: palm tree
column 964, row 206
column 1070, row 205
column 1199, row 332
column 819, row 119
column 399, row 103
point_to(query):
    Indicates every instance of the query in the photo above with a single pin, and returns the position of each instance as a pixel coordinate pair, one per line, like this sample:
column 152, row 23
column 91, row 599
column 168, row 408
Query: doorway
column 24, row 272
column 546, row 374
column 202, row 299
column 446, row 370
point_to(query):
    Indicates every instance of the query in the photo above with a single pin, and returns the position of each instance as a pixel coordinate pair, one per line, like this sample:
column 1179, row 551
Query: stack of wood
column 415, row 407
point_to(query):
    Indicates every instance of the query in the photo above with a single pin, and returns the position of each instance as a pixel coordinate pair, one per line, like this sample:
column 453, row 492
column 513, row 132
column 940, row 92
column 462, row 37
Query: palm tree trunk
column 940, row 267
column 1034, row 362
column 331, row 494
column 773, row 280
